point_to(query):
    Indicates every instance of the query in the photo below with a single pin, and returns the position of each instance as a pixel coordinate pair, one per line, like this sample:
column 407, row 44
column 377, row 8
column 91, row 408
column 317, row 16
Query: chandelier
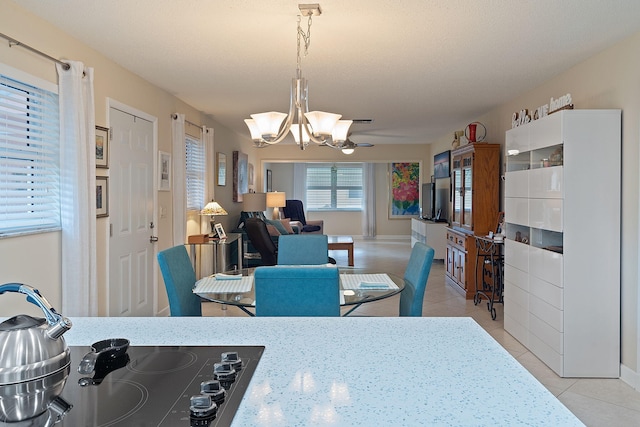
column 306, row 126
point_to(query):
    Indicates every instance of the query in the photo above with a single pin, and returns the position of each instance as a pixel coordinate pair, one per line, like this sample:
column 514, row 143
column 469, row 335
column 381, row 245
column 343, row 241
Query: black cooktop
column 157, row 386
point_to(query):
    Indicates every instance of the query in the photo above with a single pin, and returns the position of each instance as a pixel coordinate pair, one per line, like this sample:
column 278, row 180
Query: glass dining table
column 357, row 286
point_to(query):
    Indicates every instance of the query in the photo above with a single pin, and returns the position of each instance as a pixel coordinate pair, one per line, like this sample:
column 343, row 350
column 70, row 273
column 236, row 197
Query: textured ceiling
column 419, row 68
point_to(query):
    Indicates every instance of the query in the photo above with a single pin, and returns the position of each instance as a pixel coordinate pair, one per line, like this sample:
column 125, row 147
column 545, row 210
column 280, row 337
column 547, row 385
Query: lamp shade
column 254, row 202
column 322, row 123
column 269, row 124
column 295, row 131
column 213, row 208
column 253, row 129
column 276, row 199
column 341, row 131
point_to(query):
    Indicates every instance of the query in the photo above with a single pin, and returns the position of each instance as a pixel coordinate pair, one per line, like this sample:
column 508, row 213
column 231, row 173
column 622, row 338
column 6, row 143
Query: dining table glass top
column 357, row 286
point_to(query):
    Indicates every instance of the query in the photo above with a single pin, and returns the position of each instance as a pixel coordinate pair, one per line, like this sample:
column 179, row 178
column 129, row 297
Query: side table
column 221, row 253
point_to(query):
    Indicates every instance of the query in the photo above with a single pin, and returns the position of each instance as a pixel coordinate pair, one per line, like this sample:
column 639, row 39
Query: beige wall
column 607, row 80
column 280, row 160
column 35, row 260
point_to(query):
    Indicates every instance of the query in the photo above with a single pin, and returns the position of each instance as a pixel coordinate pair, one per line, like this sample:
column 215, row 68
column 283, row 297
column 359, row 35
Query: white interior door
column 131, row 251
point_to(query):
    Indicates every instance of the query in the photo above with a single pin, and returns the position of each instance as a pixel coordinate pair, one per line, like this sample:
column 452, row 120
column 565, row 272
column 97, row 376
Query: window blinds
column 195, row 173
column 29, row 158
column 334, row 186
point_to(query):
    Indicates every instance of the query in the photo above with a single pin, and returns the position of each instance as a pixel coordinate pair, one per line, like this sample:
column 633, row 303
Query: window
column 334, row 187
column 29, row 158
column 195, row 173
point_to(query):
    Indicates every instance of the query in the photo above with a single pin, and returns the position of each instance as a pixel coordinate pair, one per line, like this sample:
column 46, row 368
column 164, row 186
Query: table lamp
column 276, row 200
column 212, row 209
column 254, row 202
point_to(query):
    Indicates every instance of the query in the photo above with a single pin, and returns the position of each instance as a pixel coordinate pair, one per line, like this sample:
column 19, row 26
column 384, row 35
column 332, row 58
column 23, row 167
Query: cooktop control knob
column 214, row 389
column 232, row 358
column 202, row 406
column 224, row 373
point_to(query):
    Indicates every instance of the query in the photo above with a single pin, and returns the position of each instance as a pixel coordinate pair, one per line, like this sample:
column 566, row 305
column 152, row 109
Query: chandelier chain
column 304, row 36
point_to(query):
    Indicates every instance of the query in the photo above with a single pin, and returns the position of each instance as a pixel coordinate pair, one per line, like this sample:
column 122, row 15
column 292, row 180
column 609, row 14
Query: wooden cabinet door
column 466, row 219
column 457, row 192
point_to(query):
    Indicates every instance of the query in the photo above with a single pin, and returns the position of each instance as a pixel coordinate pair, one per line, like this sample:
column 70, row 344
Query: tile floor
column 596, row 402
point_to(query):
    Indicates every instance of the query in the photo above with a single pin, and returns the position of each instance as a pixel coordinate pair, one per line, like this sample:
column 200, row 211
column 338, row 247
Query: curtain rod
column 174, row 116
column 14, row 42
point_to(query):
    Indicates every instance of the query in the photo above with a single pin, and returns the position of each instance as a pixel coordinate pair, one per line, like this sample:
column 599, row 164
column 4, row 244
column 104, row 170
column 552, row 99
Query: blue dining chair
column 303, row 249
column 179, row 279
column 415, row 279
column 297, row 291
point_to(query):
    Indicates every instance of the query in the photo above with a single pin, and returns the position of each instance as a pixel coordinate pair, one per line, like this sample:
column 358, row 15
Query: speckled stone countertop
column 367, row 371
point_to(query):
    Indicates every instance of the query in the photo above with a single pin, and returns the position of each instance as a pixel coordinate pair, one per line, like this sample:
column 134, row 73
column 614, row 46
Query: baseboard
column 384, row 237
column 164, row 312
column 630, row 377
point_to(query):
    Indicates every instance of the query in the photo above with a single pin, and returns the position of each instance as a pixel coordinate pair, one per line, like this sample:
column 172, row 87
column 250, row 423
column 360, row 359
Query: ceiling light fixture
column 317, row 126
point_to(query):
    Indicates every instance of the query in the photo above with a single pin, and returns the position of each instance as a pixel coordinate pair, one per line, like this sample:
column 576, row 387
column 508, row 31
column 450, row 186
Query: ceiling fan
column 349, row 146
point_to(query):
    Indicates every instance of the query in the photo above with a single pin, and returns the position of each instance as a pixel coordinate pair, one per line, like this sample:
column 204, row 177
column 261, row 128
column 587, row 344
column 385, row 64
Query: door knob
column 153, row 239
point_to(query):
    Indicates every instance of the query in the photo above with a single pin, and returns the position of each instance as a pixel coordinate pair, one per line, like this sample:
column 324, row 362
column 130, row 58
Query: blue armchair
column 297, row 291
column 179, row 279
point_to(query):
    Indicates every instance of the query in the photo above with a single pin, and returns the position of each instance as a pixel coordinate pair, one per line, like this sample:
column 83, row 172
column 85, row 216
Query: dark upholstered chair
column 179, row 279
column 415, row 280
column 294, row 210
column 297, row 291
column 261, row 240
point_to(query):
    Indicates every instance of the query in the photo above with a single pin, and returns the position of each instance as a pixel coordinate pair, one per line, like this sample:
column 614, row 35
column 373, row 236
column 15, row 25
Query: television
column 442, row 200
column 428, row 200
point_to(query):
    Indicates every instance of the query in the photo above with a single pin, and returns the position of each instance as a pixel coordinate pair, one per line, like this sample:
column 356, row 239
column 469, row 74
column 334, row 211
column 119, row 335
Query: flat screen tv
column 428, row 200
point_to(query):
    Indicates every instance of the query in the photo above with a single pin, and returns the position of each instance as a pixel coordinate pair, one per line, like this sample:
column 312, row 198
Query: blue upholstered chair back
column 303, row 249
column 415, row 277
column 297, row 291
column 179, row 279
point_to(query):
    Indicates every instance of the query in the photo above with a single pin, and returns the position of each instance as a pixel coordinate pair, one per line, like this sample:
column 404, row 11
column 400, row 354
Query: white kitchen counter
column 359, row 371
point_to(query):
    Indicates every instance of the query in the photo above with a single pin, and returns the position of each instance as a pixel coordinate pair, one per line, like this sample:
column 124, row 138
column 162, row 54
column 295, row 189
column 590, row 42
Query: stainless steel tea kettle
column 34, row 358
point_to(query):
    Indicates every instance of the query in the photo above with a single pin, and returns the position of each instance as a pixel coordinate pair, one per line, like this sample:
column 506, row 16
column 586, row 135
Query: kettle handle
column 59, row 323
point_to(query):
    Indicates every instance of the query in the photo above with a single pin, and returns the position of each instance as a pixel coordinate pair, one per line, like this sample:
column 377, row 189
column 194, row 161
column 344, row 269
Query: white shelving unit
column 562, row 253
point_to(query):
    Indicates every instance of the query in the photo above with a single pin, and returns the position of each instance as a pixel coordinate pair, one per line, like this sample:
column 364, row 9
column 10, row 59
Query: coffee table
column 342, row 243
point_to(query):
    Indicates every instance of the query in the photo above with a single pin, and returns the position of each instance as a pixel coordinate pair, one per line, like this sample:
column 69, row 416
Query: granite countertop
column 359, row 371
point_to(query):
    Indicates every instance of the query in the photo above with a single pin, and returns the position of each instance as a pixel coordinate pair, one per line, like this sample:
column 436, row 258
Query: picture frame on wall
column 240, row 175
column 404, row 190
column 221, row 176
column 102, row 196
column 269, row 181
column 250, row 174
column 164, row 171
column 441, row 165
column 102, row 147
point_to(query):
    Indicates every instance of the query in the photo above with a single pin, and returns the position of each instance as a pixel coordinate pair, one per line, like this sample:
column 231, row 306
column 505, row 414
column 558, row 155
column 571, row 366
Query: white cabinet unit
column 430, row 233
column 562, row 253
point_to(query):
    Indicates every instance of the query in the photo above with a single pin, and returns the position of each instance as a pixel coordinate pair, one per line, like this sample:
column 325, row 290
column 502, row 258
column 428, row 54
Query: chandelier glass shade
column 306, row 126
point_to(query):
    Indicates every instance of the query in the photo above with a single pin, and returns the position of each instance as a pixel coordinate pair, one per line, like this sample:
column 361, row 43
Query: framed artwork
column 404, row 194
column 220, row 231
column 269, row 181
column 221, row 177
column 102, row 147
column 164, row 170
column 240, row 175
column 102, row 196
column 250, row 174
column 441, row 163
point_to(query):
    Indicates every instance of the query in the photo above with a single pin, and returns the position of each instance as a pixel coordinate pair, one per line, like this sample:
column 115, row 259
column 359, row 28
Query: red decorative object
column 475, row 132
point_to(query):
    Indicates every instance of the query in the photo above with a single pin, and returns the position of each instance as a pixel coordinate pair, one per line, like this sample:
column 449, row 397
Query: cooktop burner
column 160, row 386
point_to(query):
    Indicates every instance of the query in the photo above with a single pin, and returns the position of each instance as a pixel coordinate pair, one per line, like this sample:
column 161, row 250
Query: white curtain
column 211, row 168
column 77, row 190
column 179, row 180
column 299, row 182
column 369, row 200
